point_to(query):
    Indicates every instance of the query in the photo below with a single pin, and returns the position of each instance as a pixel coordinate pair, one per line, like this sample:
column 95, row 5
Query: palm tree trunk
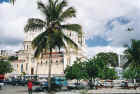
column 49, row 72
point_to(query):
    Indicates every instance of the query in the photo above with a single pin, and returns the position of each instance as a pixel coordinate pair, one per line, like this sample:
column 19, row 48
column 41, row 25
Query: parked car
column 56, row 83
column 37, row 89
column 124, row 84
column 35, row 82
column 18, row 82
column 76, row 86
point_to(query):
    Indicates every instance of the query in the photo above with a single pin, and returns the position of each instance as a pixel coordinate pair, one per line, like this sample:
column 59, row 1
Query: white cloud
column 13, row 20
column 92, row 51
column 92, row 14
column 120, row 35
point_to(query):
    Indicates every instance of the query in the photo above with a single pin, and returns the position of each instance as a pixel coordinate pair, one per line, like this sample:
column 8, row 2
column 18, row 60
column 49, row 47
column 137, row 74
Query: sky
column 105, row 23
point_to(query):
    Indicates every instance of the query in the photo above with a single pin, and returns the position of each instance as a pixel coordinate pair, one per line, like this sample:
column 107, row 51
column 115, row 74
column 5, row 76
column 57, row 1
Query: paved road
column 23, row 90
column 16, row 90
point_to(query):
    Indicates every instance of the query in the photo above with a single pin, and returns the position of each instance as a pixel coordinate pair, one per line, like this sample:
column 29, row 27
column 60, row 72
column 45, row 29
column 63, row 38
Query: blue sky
column 4, row 1
column 105, row 22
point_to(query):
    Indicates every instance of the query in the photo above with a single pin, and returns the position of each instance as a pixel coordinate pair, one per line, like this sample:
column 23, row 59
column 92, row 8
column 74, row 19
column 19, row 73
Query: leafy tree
column 12, row 58
column 132, row 73
column 110, row 73
column 129, row 74
column 5, row 67
column 97, row 68
column 54, row 25
column 93, row 67
column 109, row 58
column 132, row 53
column 75, row 71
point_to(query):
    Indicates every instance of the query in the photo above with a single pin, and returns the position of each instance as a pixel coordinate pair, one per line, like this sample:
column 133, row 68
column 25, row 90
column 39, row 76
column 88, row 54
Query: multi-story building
column 32, row 66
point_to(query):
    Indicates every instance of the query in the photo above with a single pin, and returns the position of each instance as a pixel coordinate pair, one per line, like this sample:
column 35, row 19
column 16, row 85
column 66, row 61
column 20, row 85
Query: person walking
column 30, row 87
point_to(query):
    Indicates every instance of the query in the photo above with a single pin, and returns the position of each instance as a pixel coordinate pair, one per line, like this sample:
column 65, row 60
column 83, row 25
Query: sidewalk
column 114, row 90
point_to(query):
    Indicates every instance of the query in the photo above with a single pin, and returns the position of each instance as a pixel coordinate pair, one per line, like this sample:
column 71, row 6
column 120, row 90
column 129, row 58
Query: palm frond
column 61, row 5
column 73, row 27
column 41, row 5
column 12, row 1
column 70, row 42
column 132, row 53
column 68, row 13
column 39, row 39
column 40, row 43
column 127, row 63
column 56, row 2
column 34, row 24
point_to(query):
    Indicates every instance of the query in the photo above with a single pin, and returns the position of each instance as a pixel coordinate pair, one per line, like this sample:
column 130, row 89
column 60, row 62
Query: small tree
column 75, row 71
column 5, row 67
column 132, row 73
column 12, row 58
column 110, row 73
column 97, row 68
column 92, row 68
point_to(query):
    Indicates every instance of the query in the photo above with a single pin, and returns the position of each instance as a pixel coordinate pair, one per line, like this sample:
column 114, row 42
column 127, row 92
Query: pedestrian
column 30, row 87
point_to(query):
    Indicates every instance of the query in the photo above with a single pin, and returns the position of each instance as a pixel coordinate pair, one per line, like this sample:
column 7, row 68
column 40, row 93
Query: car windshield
column 60, row 79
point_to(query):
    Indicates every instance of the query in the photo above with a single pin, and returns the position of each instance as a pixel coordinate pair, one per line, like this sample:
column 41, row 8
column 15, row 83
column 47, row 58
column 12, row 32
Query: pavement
column 23, row 90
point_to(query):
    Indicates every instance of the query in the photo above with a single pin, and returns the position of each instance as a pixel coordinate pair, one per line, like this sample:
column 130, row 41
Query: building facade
column 60, row 59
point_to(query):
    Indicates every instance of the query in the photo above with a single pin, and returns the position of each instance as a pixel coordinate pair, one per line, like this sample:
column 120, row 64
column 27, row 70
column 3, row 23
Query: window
column 21, row 67
column 26, row 67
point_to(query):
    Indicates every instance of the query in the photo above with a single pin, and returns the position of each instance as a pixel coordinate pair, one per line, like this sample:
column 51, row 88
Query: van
column 56, row 83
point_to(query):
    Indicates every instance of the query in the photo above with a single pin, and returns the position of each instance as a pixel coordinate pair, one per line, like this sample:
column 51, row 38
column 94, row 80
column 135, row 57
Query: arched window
column 32, row 71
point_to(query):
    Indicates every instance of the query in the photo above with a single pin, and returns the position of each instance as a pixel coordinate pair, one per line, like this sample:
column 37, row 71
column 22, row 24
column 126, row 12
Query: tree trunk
column 49, row 72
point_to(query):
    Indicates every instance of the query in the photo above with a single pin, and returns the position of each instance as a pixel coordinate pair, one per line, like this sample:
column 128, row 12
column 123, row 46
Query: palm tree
column 132, row 53
column 53, row 36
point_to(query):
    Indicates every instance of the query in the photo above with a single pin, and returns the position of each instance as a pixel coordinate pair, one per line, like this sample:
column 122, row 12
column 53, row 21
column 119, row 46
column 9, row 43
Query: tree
column 12, row 58
column 132, row 53
column 110, row 73
column 76, row 71
column 5, row 67
column 93, row 67
column 109, row 58
column 131, row 73
column 53, row 36
column 97, row 68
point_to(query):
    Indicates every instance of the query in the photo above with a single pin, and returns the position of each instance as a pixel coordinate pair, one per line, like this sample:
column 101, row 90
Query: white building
column 7, row 53
column 32, row 66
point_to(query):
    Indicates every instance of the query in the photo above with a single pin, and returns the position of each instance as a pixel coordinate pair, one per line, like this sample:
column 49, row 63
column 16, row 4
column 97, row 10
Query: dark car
column 7, row 82
column 35, row 82
column 18, row 82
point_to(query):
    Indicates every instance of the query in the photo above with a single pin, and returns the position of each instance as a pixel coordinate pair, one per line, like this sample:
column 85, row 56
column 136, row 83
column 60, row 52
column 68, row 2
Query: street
column 23, row 90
